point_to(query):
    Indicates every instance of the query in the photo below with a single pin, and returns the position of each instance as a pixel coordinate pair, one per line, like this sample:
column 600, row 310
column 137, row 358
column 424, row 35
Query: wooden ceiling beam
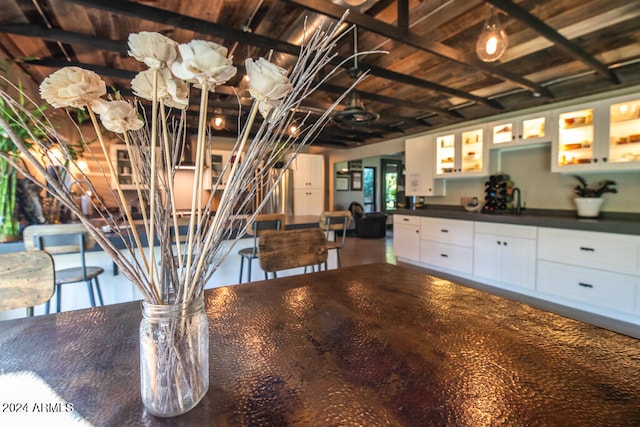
column 67, row 37
column 129, row 75
column 517, row 12
column 418, row 42
column 167, row 17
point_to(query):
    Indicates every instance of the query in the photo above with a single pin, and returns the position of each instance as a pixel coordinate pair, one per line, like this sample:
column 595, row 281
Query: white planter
column 588, row 207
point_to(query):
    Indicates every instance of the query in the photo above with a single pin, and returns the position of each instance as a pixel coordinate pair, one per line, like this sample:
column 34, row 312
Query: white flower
column 118, row 116
column 172, row 91
column 203, row 61
column 154, row 49
column 268, row 83
column 72, row 87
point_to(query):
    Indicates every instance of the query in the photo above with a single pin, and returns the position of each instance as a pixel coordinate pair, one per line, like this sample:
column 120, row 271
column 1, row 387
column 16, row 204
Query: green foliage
column 583, row 189
column 19, row 119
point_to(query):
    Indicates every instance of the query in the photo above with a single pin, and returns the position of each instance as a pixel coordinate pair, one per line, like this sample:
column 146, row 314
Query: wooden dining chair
column 261, row 224
column 63, row 239
column 291, row 249
column 335, row 225
column 27, row 279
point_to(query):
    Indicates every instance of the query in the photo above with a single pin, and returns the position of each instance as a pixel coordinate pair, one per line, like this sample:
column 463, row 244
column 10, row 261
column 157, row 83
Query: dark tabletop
column 369, row 345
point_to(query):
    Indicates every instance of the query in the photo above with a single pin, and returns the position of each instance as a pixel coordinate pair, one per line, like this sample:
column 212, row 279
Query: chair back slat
column 264, row 222
column 335, row 220
column 58, row 238
column 26, row 279
column 287, row 249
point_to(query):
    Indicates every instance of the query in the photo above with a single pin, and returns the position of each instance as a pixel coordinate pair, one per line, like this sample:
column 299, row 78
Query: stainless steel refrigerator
column 281, row 199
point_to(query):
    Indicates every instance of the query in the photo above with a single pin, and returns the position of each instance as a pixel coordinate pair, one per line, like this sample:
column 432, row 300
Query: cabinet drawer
column 508, row 230
column 600, row 288
column 450, row 231
column 406, row 219
column 451, row 257
column 608, row 251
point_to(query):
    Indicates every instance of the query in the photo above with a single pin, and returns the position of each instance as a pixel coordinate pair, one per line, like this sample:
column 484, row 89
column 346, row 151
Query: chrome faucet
column 518, row 204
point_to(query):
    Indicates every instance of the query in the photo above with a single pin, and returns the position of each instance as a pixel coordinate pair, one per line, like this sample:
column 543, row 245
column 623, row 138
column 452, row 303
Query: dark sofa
column 372, row 225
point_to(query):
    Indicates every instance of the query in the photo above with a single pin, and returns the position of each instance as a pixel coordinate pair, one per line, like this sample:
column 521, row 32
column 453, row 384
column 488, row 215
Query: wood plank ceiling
column 431, row 77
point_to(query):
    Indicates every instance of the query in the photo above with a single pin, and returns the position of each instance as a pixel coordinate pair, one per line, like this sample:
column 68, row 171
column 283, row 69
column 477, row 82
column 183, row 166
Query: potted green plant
column 589, row 198
column 18, row 121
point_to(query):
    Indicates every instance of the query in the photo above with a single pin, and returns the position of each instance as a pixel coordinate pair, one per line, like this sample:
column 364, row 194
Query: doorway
column 369, row 187
column 391, row 168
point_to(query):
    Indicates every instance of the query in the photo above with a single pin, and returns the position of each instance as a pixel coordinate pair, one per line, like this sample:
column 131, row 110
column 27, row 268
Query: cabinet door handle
column 585, row 285
column 417, row 231
column 587, row 249
column 444, row 255
column 444, row 230
column 405, row 219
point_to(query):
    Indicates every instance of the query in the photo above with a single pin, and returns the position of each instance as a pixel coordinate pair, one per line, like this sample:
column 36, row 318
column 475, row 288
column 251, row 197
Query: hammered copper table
column 368, row 345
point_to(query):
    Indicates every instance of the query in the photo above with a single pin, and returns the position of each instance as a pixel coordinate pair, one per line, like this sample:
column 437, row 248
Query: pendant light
column 493, row 41
column 354, row 114
column 218, row 121
column 355, row 3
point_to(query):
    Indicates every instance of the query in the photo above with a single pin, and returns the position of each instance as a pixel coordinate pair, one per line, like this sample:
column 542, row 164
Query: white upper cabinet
column 624, row 133
column 308, row 184
column 461, row 153
column 308, row 171
column 600, row 136
column 419, row 160
column 520, row 131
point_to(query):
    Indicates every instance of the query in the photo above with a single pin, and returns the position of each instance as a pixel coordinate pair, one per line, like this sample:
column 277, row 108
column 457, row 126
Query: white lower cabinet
column 505, row 254
column 599, row 269
column 406, row 237
column 447, row 244
column 605, row 289
column 307, row 201
column 450, row 257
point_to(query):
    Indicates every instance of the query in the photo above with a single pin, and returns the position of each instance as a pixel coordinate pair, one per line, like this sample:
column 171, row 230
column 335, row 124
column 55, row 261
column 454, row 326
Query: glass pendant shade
column 354, row 3
column 493, row 41
column 217, row 123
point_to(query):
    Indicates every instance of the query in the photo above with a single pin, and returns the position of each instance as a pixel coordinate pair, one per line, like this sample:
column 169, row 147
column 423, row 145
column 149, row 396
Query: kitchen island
column 585, row 268
column 368, row 345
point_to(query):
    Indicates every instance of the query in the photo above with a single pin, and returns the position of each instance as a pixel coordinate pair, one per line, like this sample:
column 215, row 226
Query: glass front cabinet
column 461, row 153
column 216, row 161
column 520, row 131
column 604, row 135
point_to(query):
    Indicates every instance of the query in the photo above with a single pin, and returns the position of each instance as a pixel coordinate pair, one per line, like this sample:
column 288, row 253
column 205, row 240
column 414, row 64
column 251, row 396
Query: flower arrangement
column 584, row 190
column 154, row 141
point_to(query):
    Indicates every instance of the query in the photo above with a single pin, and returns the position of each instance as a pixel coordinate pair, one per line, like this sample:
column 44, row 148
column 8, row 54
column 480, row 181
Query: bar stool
column 64, row 239
column 261, row 223
column 336, row 222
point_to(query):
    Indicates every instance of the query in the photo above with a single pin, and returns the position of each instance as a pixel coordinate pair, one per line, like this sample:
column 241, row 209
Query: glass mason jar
column 174, row 357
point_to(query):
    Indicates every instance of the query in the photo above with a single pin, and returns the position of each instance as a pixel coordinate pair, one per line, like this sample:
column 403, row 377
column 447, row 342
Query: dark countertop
column 375, row 344
column 619, row 223
column 293, row 222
